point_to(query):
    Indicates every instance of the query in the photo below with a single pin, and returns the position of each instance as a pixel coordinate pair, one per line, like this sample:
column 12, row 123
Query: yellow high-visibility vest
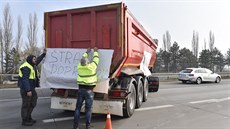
column 32, row 72
column 87, row 75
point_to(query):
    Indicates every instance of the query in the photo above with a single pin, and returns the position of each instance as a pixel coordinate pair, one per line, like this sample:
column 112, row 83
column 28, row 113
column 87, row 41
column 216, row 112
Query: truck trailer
column 110, row 26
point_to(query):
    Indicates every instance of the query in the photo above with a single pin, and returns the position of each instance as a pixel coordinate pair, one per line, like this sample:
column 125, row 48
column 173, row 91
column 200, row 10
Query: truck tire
column 130, row 103
column 140, row 91
column 146, row 90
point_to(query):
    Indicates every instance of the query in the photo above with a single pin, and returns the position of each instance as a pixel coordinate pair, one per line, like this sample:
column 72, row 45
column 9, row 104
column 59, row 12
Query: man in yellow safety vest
column 27, row 82
column 86, row 79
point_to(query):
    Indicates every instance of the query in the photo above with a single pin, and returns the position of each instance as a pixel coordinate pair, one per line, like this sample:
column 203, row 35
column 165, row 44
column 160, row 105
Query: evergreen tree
column 11, row 61
column 158, row 63
column 166, row 60
column 174, row 57
column 187, row 59
column 205, row 59
column 227, row 60
column 217, row 60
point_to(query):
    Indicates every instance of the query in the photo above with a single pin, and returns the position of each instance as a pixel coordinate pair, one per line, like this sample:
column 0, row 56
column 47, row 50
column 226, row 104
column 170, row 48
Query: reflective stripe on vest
column 32, row 72
column 87, row 75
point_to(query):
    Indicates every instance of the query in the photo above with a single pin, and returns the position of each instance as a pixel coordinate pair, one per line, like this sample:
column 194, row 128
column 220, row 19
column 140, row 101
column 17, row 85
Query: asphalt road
column 174, row 106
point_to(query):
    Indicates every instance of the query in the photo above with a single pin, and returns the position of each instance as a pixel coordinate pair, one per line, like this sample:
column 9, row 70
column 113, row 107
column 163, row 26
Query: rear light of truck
column 117, row 94
column 59, row 91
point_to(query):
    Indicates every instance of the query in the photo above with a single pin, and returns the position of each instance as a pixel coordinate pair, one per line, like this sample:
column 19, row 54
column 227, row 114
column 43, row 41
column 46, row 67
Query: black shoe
column 89, row 127
column 75, row 126
column 27, row 123
column 32, row 120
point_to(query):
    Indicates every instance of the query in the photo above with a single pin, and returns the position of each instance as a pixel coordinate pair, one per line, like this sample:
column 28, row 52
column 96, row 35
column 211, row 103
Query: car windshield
column 186, row 71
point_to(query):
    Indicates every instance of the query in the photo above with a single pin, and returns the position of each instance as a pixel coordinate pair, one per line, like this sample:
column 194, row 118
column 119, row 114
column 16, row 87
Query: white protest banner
column 60, row 67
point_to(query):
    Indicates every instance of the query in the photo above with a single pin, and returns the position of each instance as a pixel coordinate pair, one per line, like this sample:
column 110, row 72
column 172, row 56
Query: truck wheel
column 140, row 91
column 146, row 90
column 130, row 102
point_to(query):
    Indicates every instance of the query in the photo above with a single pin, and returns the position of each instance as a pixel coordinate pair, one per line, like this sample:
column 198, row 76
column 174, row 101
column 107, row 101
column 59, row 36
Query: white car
column 198, row 75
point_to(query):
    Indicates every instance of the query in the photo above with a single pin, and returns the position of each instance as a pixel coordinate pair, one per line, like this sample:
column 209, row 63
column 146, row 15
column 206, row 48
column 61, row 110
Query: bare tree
column 205, row 43
column 7, row 35
column 155, row 40
column 211, row 40
column 211, row 47
column 43, row 39
column 195, row 43
column 1, row 45
column 166, row 41
column 19, row 34
column 32, row 35
column 18, row 42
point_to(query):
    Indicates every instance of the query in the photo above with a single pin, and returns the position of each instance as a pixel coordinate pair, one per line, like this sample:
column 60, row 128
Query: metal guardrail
column 12, row 78
column 8, row 78
column 170, row 76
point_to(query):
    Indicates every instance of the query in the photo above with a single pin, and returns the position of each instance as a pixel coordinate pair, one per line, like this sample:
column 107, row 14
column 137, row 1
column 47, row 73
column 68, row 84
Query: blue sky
column 179, row 17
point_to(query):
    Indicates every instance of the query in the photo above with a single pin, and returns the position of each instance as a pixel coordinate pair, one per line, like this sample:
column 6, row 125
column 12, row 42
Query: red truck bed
column 109, row 26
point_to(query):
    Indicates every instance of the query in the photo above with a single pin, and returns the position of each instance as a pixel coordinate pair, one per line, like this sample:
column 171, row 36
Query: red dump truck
column 113, row 27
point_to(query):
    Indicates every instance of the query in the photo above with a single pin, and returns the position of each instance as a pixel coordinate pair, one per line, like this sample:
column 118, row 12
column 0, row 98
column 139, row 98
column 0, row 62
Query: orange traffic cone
column 108, row 124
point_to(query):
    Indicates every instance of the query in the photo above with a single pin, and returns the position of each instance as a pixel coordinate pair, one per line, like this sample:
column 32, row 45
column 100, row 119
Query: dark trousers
column 87, row 95
column 28, row 104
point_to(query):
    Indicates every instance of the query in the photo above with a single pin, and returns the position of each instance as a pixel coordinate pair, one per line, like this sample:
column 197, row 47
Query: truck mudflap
column 153, row 83
column 99, row 106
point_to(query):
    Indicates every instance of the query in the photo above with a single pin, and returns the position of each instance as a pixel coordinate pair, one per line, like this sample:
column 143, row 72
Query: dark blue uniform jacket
column 24, row 82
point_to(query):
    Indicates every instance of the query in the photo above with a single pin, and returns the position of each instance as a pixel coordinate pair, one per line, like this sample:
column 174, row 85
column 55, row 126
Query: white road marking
column 71, row 118
column 223, row 99
column 60, row 119
column 156, row 107
column 203, row 101
column 57, row 119
column 6, row 89
column 210, row 100
column 143, row 109
column 8, row 100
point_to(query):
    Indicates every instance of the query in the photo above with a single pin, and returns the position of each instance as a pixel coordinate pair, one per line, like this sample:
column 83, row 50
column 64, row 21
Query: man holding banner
column 86, row 79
